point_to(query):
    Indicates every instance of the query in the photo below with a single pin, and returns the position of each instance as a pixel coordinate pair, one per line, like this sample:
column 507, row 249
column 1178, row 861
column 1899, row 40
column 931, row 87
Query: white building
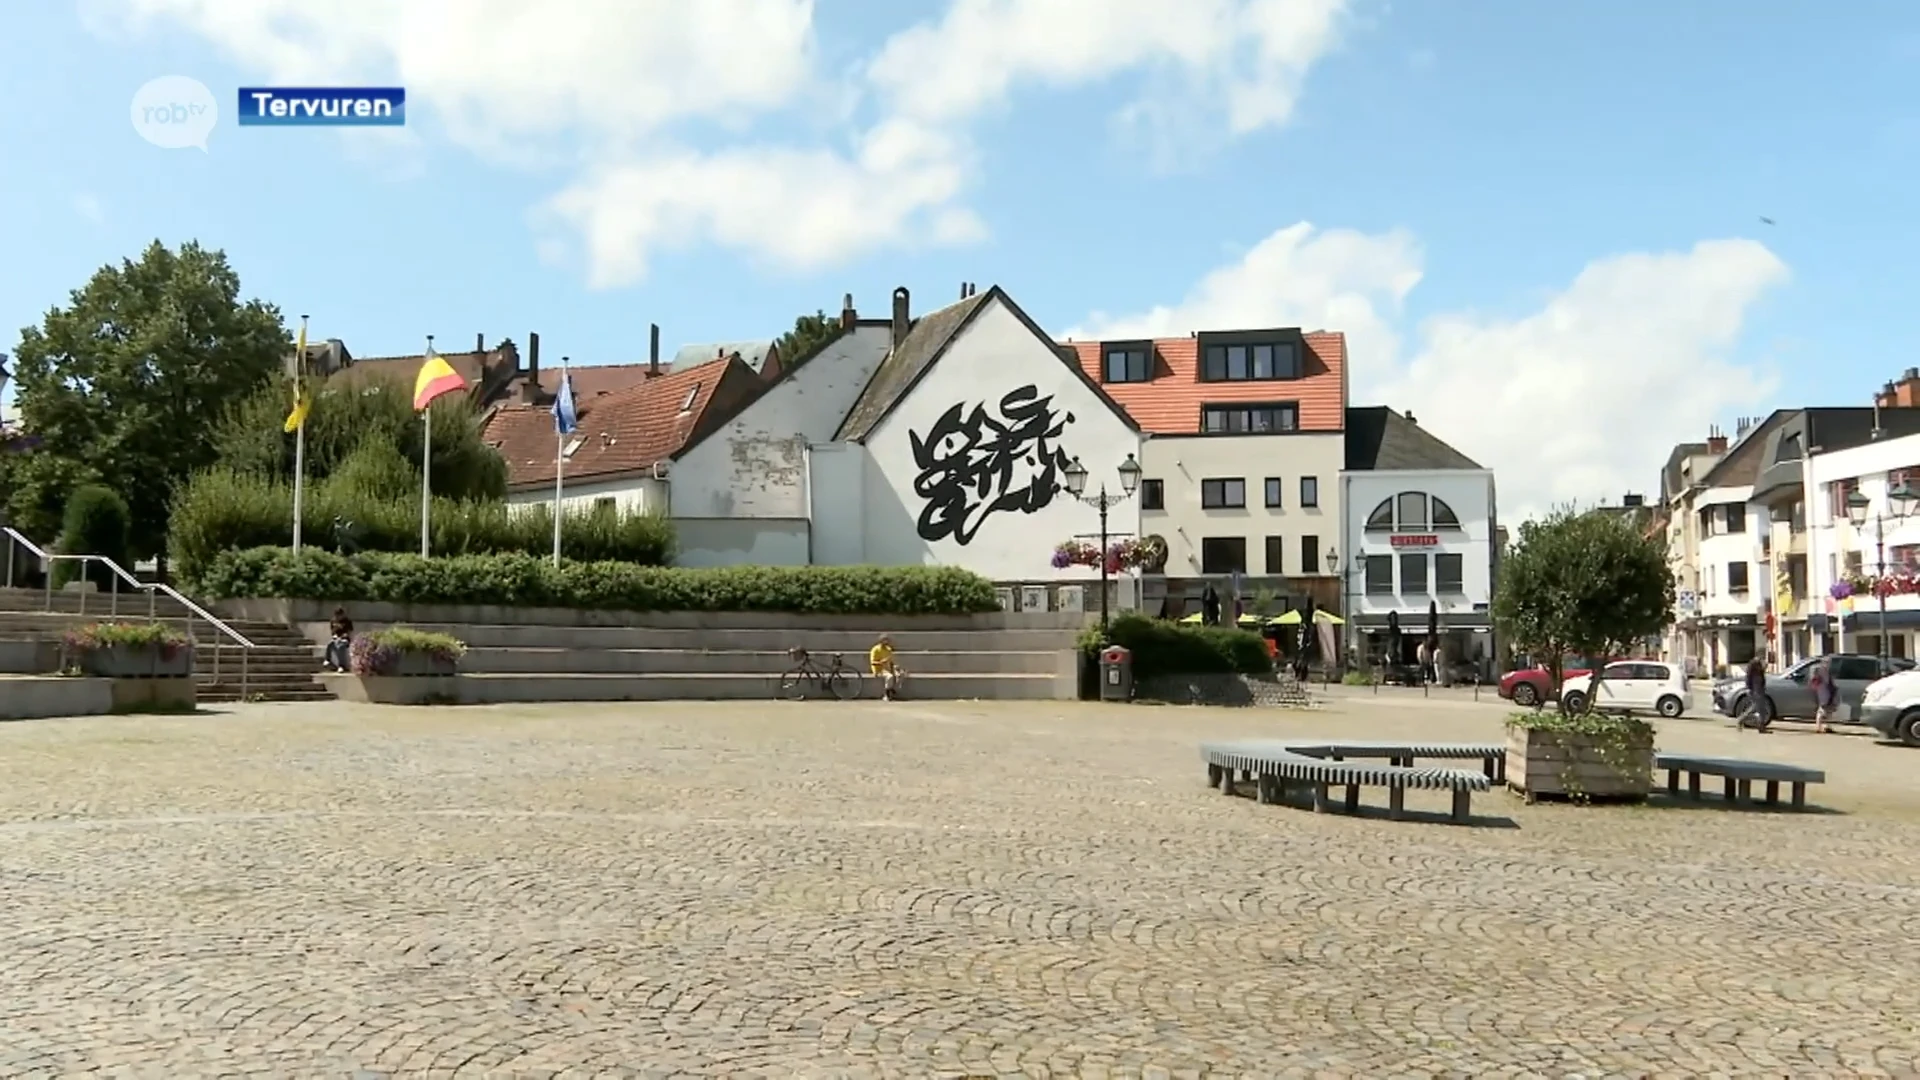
column 1420, row 537
column 1886, row 544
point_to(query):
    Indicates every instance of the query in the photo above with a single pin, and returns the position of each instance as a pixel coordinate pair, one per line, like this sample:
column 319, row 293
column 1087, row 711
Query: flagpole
column 426, row 466
column 299, row 434
column 559, row 462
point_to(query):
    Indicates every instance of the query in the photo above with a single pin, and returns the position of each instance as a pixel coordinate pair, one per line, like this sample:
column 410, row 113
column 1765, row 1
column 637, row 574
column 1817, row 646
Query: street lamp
column 1076, row 475
column 1901, row 500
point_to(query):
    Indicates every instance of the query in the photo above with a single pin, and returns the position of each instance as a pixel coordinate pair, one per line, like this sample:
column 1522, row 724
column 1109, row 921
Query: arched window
column 1410, row 515
column 1381, row 520
column 1443, row 515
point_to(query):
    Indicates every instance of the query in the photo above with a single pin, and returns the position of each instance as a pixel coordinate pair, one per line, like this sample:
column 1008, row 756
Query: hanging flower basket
column 1902, row 583
column 1121, row 554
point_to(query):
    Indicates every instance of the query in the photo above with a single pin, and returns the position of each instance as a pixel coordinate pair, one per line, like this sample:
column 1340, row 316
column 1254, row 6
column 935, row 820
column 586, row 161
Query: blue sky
column 1539, row 223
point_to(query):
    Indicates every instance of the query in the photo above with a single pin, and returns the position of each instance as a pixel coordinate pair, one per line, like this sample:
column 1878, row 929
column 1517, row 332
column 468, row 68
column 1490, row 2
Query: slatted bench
column 1739, row 776
column 1319, row 765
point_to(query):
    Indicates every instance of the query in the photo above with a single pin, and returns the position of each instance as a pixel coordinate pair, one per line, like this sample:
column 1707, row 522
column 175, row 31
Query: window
column 1449, row 574
column 1244, row 361
column 693, row 394
column 1223, row 554
column 1837, row 493
column 1379, row 575
column 1309, row 554
column 1309, row 491
column 1275, row 560
column 1381, row 520
column 1413, row 573
column 1856, row 562
column 1903, row 557
column 1273, row 491
column 1736, row 517
column 1131, row 362
column 1250, row 419
column 1153, row 495
column 1443, row 515
column 1736, row 577
column 1223, row 494
column 604, row 505
column 1410, row 512
column 1861, row 668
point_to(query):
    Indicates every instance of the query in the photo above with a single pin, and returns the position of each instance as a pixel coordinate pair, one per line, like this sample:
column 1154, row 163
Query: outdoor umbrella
column 1285, row 618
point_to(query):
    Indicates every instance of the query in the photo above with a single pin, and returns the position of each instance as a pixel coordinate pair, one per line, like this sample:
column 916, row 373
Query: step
column 849, row 643
column 500, row 689
column 496, row 661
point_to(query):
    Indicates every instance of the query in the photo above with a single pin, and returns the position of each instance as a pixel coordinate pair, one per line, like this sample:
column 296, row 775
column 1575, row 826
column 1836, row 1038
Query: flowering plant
column 1120, row 554
column 127, row 635
column 1841, row 589
column 1899, row 583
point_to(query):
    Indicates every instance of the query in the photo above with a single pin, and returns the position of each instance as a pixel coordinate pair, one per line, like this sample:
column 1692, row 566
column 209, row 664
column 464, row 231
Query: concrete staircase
column 281, row 666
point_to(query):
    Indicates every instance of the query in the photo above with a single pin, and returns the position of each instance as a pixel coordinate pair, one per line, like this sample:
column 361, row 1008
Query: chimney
column 1410, row 419
column 848, row 316
column 901, row 305
column 653, row 349
column 1716, row 442
column 479, row 343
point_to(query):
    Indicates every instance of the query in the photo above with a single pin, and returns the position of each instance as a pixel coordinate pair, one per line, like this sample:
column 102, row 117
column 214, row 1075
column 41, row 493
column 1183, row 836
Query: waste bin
column 1116, row 674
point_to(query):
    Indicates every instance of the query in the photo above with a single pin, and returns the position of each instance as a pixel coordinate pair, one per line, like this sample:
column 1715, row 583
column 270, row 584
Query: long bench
column 1739, row 776
column 1318, row 765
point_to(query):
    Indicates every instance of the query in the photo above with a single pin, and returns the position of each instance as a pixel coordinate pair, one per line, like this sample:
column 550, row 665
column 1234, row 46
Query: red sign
column 1408, row 540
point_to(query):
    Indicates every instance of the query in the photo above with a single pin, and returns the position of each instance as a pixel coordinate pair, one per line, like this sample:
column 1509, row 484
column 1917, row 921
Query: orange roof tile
column 592, row 380
column 1169, row 404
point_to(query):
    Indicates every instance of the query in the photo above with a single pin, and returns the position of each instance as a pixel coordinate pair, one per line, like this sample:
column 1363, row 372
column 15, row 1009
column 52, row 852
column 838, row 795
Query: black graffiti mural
column 975, row 464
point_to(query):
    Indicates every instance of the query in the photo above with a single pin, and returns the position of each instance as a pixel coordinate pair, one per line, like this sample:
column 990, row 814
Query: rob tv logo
column 174, row 112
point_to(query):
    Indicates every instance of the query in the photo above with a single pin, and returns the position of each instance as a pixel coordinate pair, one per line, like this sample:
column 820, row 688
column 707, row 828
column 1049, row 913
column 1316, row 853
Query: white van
column 1891, row 706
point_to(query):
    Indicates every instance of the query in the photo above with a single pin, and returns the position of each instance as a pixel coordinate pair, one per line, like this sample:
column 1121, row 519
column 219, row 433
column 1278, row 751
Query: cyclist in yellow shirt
column 880, row 659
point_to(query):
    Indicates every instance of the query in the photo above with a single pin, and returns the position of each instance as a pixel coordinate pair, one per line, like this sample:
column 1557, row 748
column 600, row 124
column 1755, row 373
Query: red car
column 1531, row 686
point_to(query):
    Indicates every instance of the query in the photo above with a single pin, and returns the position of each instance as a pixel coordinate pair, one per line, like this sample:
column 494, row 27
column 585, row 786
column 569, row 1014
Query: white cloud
column 88, row 207
column 618, row 90
column 1577, row 401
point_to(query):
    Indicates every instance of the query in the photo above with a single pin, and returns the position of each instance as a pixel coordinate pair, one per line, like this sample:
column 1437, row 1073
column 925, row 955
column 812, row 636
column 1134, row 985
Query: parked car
column 1629, row 686
column 1891, row 706
column 1531, row 686
column 1793, row 698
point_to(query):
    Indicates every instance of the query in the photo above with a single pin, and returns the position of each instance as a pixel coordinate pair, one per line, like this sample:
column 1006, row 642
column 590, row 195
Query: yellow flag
column 302, row 401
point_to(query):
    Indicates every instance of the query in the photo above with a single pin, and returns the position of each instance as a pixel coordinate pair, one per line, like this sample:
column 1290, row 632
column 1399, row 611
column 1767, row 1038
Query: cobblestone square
column 914, row 890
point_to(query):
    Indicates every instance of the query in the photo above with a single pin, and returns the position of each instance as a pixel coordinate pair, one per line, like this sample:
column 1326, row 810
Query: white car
column 1636, row 686
column 1891, row 706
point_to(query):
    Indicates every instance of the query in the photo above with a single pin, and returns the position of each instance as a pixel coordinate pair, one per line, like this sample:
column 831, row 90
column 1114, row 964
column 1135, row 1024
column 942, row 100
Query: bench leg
column 1226, row 781
column 1729, row 793
column 1773, row 793
column 1746, row 791
column 1693, row 785
column 1263, row 790
column 1213, row 776
column 1673, row 781
column 1353, row 798
column 1462, row 806
column 1396, row 803
column 1320, row 798
column 1246, row 775
column 1486, row 766
column 1799, row 796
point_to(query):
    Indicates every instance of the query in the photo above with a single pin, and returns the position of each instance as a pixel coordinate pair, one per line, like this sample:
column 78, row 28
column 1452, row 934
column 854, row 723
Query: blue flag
column 564, row 418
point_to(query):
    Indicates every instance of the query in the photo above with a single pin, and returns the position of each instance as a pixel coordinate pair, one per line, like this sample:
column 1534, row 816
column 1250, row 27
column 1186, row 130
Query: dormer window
column 692, row 396
column 1250, row 356
column 1127, row 362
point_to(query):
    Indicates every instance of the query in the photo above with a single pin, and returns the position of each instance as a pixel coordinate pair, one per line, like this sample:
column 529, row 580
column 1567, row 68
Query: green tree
column 809, row 335
column 96, row 522
column 118, row 385
column 1587, row 583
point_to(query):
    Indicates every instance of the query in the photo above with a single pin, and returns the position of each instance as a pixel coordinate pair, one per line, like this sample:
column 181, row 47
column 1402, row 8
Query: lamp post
column 1900, row 500
column 1076, row 475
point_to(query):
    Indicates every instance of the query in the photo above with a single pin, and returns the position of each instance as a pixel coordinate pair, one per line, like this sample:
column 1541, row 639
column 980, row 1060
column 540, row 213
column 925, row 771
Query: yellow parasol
column 1191, row 619
column 1288, row 618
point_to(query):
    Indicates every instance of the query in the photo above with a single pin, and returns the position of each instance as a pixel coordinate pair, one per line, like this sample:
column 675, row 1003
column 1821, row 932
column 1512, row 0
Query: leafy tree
column 809, row 334
column 96, row 522
column 1586, row 583
column 119, row 384
column 346, row 417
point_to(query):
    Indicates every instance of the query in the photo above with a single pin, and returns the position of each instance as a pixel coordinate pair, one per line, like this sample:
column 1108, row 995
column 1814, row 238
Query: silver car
column 1793, row 697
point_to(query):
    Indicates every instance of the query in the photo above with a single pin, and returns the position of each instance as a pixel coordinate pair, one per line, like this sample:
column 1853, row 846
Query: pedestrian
column 1421, row 657
column 1210, row 606
column 1759, row 706
column 1826, row 694
column 339, row 640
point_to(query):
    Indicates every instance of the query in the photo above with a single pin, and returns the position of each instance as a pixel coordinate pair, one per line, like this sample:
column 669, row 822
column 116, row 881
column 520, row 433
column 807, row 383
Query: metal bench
column 1739, row 776
column 1319, row 765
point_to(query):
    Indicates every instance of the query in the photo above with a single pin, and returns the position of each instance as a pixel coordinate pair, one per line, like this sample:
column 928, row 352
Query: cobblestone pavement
column 914, row 890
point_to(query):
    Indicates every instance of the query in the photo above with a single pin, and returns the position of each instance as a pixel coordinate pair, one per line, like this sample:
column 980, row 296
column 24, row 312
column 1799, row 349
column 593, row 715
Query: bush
column 1160, row 647
column 133, row 635
column 1357, row 678
column 225, row 510
column 530, row 581
column 379, row 653
column 97, row 522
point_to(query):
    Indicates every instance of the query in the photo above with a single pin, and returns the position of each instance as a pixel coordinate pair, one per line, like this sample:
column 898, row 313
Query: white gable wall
column 995, row 356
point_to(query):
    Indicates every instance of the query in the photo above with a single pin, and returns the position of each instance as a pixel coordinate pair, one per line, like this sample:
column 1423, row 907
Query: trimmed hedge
column 97, row 522
column 1161, row 647
column 529, row 581
column 223, row 510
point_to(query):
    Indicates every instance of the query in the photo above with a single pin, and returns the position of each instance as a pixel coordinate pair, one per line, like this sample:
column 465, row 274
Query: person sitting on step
column 880, row 660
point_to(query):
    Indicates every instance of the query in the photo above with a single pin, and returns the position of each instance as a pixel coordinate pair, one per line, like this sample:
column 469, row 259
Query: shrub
column 97, row 522
column 379, row 652
column 226, row 510
column 512, row 580
column 1160, row 647
column 132, row 635
column 1357, row 678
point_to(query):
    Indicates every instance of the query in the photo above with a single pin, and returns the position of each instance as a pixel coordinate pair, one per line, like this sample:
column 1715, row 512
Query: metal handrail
column 152, row 588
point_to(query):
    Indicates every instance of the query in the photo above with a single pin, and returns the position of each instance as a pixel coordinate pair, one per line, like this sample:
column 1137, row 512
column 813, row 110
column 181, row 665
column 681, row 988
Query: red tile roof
column 403, row 369
column 592, row 380
column 1170, row 403
column 624, row 430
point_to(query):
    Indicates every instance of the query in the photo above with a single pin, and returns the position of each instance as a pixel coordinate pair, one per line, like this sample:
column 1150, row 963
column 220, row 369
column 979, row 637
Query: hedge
column 1161, row 647
column 223, row 510
column 97, row 522
column 529, row 581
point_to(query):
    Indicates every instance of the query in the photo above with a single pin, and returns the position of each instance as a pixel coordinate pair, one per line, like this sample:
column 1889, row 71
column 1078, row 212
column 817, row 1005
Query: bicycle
column 837, row 678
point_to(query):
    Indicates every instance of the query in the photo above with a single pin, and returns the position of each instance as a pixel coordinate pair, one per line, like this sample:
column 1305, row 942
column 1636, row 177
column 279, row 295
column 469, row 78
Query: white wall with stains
column 963, row 472
column 633, row 494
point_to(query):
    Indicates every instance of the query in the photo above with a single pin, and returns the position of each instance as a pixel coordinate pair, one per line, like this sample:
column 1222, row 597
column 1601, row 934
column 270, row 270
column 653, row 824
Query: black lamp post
column 1076, row 476
column 1900, row 500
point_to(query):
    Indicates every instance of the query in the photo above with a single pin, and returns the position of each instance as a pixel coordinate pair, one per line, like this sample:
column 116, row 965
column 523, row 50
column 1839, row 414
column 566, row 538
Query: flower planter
column 1579, row 765
column 396, row 689
column 411, row 665
column 136, row 661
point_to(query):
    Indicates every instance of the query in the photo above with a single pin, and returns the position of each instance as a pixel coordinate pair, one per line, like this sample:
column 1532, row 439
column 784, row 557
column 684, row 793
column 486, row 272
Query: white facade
column 632, row 494
column 1834, row 545
column 1271, row 501
column 1404, row 534
column 1731, row 557
column 963, row 471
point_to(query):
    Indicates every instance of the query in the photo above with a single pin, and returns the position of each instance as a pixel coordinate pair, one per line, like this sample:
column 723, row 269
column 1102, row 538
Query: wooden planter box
column 137, row 662
column 1562, row 764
